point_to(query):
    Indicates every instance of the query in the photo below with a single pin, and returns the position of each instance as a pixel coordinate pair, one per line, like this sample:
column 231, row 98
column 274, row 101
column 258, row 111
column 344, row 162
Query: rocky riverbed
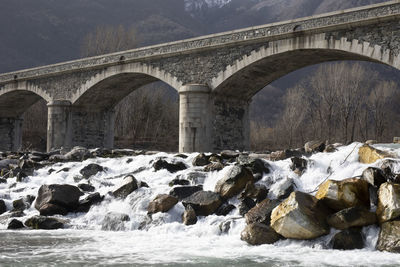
column 320, row 205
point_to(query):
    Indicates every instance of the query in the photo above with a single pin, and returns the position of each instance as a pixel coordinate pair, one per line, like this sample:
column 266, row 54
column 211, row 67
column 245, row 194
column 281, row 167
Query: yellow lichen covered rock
column 368, row 154
column 338, row 195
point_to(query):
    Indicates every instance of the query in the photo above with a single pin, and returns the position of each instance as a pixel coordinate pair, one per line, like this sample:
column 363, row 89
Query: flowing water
column 166, row 241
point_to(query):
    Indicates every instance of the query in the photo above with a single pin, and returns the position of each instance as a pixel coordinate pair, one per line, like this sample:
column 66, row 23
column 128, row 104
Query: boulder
column 255, row 191
column 86, row 203
column 204, row 203
column 162, row 203
column 367, row 154
column 171, row 167
column 389, row 237
column 229, row 154
column 45, row 223
column 281, row 189
column 201, row 160
column 128, row 185
column 114, row 221
column 225, row 209
column 300, row 216
column 261, row 213
column 299, row 165
column 338, row 195
column 214, row 166
column 57, row 199
column 86, row 187
column 348, row 239
column 78, row 154
column 234, row 181
column 314, row 146
column 352, row 217
column 257, row 166
column 91, row 170
column 259, row 234
column 181, row 192
column 189, row 216
column 245, row 205
column 374, row 176
column 15, row 224
column 3, row 207
column 388, row 202
column 20, row 204
column 178, row 181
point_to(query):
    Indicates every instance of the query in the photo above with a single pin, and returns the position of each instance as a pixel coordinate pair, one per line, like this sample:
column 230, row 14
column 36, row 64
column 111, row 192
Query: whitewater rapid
column 166, row 240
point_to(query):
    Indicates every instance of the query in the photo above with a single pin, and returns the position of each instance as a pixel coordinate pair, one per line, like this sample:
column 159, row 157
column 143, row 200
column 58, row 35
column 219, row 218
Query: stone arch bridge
column 216, row 77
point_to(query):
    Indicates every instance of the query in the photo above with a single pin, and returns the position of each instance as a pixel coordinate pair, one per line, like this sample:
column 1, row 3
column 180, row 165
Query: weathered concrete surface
column 230, row 68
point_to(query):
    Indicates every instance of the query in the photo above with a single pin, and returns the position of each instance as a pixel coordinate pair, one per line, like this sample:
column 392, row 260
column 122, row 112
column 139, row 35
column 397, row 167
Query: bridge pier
column 11, row 133
column 231, row 124
column 59, row 125
column 93, row 128
column 194, row 118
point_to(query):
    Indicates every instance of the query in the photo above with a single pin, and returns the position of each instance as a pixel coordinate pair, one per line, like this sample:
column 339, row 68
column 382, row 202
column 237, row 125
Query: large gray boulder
column 261, row 213
column 234, row 181
column 57, row 199
column 348, row 239
column 389, row 237
column 45, row 223
column 128, row 185
column 189, row 216
column 300, row 216
column 259, row 234
column 162, row 203
column 204, row 203
column 388, row 202
column 352, row 217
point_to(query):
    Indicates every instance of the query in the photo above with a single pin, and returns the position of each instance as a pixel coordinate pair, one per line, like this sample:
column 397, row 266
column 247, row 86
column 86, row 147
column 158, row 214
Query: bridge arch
column 253, row 72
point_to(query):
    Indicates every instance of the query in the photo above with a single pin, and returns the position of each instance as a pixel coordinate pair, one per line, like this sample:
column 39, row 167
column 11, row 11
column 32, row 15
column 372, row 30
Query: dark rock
column 3, row 207
column 129, row 184
column 178, row 181
column 225, row 226
column 143, row 184
column 181, row 192
column 388, row 166
column 15, row 224
column 225, row 209
column 348, row 239
column 20, row 204
column 56, row 199
column 229, row 154
column 3, row 181
column 261, row 213
column 171, row 167
column 114, row 221
column 234, row 181
column 299, row 165
column 51, row 171
column 204, row 203
column 314, row 146
column 86, row 187
column 374, row 176
column 189, row 216
column 259, row 234
column 352, row 217
column 257, row 166
column 162, row 203
column 45, row 223
column 29, row 199
column 245, row 205
column 255, row 191
column 214, row 166
column 86, row 203
column 66, row 169
column 182, row 156
column 91, row 170
column 201, row 160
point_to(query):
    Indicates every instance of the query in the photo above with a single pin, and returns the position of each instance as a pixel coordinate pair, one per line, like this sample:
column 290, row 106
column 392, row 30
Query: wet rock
column 201, row 160
column 229, row 154
column 314, row 146
column 182, row 156
column 86, row 187
column 348, row 240
column 214, row 166
column 3, row 207
column 196, row 177
column 162, row 203
column 388, row 202
column 281, row 189
column 114, row 221
column 285, row 154
column 390, row 167
column 56, row 199
column 178, row 181
column 245, row 205
column 374, row 176
column 300, row 216
column 91, row 170
column 257, row 166
column 255, row 191
column 15, row 224
column 86, row 203
column 20, row 204
column 181, row 192
column 259, row 234
column 225, row 226
column 261, row 213
column 338, row 195
column 3, row 181
column 389, row 237
column 352, row 217
column 204, row 203
column 225, row 209
column 368, row 154
column 45, row 223
column 128, row 185
column 299, row 165
column 171, row 167
column 189, row 216
column 143, row 184
column 234, row 181
column 78, row 154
